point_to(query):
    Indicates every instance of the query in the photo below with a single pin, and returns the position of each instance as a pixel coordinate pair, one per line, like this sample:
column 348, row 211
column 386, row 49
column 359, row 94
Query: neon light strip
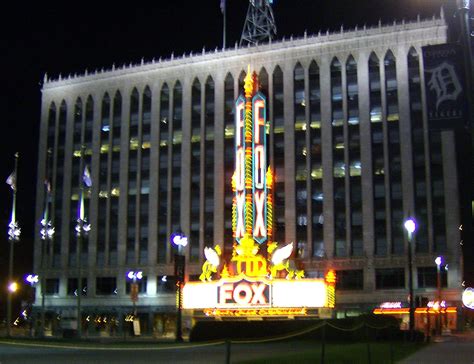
column 256, row 312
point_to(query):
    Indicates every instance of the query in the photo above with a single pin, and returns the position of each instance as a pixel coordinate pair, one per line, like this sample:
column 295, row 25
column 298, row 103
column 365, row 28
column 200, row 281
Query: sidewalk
column 452, row 349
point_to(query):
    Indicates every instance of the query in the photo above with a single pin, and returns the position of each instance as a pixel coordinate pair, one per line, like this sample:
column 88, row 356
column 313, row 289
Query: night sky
column 70, row 37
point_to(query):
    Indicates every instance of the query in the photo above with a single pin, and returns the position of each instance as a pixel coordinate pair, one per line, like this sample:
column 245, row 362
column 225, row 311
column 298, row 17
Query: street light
column 438, row 262
column 32, row 280
column 134, row 277
column 180, row 241
column 410, row 226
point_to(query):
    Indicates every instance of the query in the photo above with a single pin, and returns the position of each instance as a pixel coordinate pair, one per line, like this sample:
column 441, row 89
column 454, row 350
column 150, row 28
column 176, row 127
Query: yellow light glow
column 200, row 295
column 299, row 293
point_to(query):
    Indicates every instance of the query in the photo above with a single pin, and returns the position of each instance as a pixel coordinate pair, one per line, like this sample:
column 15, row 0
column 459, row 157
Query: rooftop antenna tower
column 259, row 24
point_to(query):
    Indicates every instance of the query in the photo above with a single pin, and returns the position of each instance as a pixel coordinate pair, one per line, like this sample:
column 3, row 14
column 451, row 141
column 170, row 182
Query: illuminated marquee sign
column 235, row 293
column 250, row 283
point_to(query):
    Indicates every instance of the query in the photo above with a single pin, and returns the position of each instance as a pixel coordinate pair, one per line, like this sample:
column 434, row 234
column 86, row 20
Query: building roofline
column 206, row 55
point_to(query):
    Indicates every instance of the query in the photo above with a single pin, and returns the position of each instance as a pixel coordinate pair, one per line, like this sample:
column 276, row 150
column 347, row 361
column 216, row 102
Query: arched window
column 163, row 172
column 75, row 179
column 378, row 156
column 278, row 156
column 143, row 186
column 301, row 154
column 58, row 185
column 355, row 167
column 209, row 121
column 176, row 153
column 229, row 160
column 394, row 155
column 418, row 150
column 132, row 177
column 317, row 220
column 115, row 177
column 104, row 208
column 339, row 163
column 195, row 169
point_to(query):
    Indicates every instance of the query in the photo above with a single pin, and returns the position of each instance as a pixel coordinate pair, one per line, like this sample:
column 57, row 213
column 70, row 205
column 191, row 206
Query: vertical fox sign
column 249, row 283
column 250, row 178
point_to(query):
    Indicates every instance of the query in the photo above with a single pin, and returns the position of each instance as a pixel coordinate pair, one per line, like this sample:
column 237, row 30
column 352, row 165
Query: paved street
column 454, row 349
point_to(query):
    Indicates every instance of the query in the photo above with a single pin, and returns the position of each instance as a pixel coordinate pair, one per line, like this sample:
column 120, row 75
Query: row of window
column 107, row 286
column 310, row 200
column 353, row 279
column 390, row 278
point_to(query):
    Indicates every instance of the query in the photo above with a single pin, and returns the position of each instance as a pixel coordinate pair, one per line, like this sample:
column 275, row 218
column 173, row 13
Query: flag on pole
column 222, row 6
column 86, row 177
column 47, row 184
column 11, row 180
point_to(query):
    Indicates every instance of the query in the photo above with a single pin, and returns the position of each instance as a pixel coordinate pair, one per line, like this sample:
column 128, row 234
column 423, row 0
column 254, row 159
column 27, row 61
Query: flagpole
column 79, row 228
column 224, row 30
column 46, row 233
column 13, row 236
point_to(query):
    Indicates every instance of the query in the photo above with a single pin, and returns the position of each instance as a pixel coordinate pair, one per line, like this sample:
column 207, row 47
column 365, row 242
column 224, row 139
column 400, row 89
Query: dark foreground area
column 12, row 352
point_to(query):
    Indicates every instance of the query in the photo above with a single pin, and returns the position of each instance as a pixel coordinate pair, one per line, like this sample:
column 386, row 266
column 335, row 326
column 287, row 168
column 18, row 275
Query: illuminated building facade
column 348, row 143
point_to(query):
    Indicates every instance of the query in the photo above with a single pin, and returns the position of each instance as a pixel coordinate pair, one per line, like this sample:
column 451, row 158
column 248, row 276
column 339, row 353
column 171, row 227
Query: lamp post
column 180, row 241
column 410, row 226
column 82, row 230
column 14, row 232
column 134, row 277
column 32, row 280
column 438, row 262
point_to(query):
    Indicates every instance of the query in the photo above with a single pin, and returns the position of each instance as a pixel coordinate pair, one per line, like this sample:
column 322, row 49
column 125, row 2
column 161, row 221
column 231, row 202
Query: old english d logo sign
column 244, row 294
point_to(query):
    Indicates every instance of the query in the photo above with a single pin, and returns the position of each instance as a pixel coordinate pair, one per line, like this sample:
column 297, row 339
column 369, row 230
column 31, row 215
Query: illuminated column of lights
column 234, row 206
column 259, row 169
column 249, row 91
column 239, row 174
column 331, row 288
column 269, row 205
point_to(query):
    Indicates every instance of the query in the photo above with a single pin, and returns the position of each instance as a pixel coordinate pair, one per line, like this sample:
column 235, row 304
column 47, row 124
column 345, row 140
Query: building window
column 52, row 286
column 378, row 156
column 317, row 220
column 394, row 154
column 355, row 166
column 339, row 162
column 132, row 177
column 418, row 150
column 176, row 153
column 301, row 154
column 115, row 178
column 437, row 192
column 142, row 284
column 389, row 278
column 72, row 286
column 166, row 284
column 428, row 277
column 350, row 279
column 163, row 169
column 229, row 160
column 57, row 188
column 195, row 167
column 209, row 106
column 278, row 156
column 105, row 286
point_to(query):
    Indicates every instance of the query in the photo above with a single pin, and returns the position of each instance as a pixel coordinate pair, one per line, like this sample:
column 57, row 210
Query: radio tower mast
column 259, row 24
